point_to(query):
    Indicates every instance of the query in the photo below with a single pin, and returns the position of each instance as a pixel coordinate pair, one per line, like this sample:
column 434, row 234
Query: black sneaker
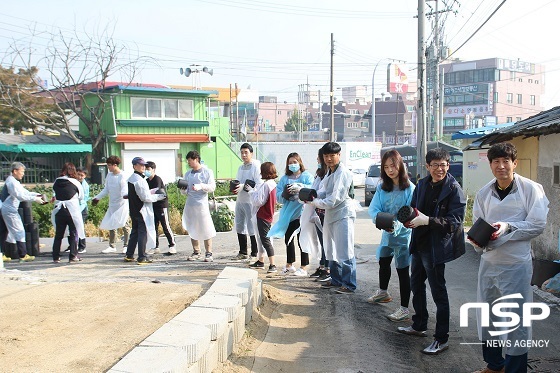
column 271, row 269
column 325, row 276
column 317, row 272
column 67, row 250
column 257, row 264
column 143, row 261
column 328, row 285
column 81, row 251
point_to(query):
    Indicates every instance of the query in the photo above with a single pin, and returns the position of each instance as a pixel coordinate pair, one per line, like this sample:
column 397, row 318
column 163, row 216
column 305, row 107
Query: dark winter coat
column 446, row 226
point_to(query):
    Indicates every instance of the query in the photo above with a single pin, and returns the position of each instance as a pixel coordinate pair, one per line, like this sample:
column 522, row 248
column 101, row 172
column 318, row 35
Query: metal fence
column 41, row 169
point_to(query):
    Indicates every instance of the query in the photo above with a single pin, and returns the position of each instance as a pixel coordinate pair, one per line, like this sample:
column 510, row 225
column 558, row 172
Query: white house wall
column 165, row 160
column 476, row 170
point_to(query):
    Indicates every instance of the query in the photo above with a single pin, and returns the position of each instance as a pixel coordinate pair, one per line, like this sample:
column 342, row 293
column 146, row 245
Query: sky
column 276, row 47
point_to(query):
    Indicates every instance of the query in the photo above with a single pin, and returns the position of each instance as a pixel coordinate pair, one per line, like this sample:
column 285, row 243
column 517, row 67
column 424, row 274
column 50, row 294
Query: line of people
column 515, row 206
column 322, row 227
column 421, row 247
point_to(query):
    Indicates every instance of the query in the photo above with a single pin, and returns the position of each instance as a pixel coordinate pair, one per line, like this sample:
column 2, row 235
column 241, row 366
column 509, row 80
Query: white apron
column 309, row 223
column 117, row 213
column 196, row 213
column 245, row 221
column 17, row 194
column 143, row 192
column 340, row 213
column 506, row 266
column 73, row 206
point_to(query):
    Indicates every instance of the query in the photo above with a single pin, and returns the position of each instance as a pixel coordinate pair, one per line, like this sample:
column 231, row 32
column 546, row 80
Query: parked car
column 372, row 179
column 359, row 177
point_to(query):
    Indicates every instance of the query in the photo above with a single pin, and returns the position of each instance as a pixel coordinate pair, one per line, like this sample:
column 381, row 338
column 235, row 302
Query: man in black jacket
column 160, row 210
column 437, row 238
column 141, row 213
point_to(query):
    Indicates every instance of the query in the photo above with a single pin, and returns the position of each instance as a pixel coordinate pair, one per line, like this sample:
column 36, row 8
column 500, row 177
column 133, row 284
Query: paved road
column 316, row 330
column 344, row 333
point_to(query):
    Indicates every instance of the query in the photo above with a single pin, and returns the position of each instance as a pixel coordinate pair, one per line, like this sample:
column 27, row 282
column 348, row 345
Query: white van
column 373, row 178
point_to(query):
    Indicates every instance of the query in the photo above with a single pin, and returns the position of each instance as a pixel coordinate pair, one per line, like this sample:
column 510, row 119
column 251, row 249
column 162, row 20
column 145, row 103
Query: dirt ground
column 84, row 326
column 72, row 323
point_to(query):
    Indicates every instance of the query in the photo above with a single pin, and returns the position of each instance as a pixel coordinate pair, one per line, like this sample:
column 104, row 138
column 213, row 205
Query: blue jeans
column 422, row 268
column 493, row 356
column 344, row 273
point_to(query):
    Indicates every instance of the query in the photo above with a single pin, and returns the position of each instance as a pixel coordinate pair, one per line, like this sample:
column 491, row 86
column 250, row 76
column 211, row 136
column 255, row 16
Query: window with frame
column 148, row 108
column 517, row 119
column 495, row 97
column 556, row 174
column 533, row 100
column 519, row 98
column 364, row 124
column 512, row 76
column 510, row 98
column 509, row 119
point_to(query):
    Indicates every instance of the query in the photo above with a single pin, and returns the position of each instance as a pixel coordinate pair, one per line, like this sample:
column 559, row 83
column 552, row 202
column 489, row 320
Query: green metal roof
column 45, row 148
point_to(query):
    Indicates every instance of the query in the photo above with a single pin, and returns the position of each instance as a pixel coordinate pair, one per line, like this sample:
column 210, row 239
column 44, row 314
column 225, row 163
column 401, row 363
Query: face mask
column 293, row 167
column 147, row 173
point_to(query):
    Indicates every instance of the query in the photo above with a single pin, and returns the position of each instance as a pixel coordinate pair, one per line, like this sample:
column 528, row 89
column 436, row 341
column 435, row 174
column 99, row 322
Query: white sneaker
column 153, row 251
column 300, row 273
column 380, row 296
column 401, row 314
column 194, row 256
column 109, row 250
column 288, row 270
column 208, row 257
column 172, row 250
column 124, row 249
column 251, row 259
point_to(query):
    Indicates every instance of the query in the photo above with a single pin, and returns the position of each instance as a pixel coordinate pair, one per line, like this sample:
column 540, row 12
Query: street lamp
column 196, row 69
column 373, row 99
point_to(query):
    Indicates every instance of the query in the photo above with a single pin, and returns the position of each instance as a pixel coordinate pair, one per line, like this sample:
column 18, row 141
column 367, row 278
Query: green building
column 162, row 125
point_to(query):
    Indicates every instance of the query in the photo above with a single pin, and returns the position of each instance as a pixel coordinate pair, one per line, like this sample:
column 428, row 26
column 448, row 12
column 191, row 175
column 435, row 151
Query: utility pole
column 237, row 113
column 320, row 112
column 332, row 87
column 435, row 83
column 230, row 112
column 397, row 120
column 306, row 120
column 421, row 145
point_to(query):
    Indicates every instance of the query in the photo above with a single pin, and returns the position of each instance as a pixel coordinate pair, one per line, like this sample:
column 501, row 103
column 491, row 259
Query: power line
column 478, row 29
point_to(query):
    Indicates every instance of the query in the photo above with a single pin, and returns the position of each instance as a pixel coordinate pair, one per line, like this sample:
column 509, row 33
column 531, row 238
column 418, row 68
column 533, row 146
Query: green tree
column 294, row 122
column 20, row 107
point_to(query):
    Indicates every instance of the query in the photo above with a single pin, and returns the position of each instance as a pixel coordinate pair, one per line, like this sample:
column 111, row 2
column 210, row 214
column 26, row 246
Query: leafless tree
column 78, row 67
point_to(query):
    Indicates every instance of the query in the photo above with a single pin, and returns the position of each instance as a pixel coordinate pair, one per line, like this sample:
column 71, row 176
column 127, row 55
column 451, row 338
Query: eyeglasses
column 435, row 166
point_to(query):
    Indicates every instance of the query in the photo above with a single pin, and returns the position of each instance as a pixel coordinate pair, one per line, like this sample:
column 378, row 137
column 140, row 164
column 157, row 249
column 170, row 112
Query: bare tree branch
column 78, row 67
